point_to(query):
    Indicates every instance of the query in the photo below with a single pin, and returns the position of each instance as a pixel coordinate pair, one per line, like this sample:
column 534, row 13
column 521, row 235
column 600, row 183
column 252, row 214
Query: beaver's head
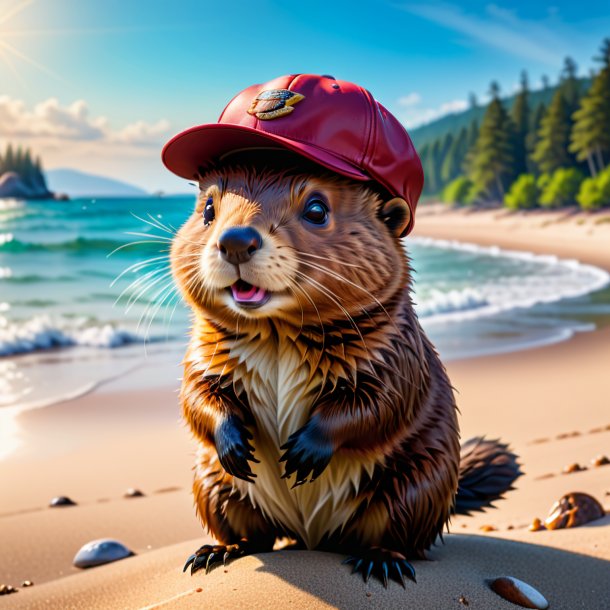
column 300, row 244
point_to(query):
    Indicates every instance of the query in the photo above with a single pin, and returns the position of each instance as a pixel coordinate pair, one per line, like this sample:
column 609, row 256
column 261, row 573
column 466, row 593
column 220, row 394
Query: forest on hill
column 21, row 176
column 547, row 148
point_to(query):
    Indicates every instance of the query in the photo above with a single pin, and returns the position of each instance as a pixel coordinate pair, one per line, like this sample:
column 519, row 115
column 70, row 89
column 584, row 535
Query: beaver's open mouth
column 247, row 295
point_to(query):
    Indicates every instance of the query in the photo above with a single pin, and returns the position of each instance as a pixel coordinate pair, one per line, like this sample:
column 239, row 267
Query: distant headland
column 22, row 177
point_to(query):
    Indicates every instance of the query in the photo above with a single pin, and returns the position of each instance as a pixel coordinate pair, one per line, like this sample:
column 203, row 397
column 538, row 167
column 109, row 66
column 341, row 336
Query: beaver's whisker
column 340, row 277
column 135, row 298
column 333, row 297
column 300, row 288
column 301, row 306
column 137, row 266
column 168, row 291
column 324, row 258
column 137, row 282
column 135, row 243
column 153, row 222
column 142, row 281
column 160, row 238
column 154, row 305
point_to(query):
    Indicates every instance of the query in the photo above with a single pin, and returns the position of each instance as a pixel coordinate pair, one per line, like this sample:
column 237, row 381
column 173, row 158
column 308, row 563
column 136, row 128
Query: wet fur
column 337, row 365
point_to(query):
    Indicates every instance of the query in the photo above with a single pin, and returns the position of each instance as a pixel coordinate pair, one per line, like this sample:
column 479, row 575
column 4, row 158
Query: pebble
column 133, row 493
column 99, row 552
column 600, row 460
column 573, row 468
column 27, row 583
column 488, row 528
column 6, row 589
column 572, row 510
column 536, row 525
column 61, row 501
column 518, row 592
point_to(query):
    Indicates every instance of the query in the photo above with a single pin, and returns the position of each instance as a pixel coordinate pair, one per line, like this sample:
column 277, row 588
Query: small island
column 22, row 177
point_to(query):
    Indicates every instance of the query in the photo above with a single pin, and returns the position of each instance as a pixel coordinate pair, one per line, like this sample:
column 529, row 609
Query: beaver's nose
column 238, row 244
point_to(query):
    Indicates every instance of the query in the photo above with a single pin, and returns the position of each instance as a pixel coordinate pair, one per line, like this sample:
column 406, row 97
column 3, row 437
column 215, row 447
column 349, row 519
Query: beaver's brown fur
column 325, row 415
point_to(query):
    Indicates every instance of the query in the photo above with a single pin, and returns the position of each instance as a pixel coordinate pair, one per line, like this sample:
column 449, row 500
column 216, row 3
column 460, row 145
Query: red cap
column 332, row 122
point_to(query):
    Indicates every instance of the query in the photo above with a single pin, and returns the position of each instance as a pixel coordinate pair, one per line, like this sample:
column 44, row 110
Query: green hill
column 452, row 123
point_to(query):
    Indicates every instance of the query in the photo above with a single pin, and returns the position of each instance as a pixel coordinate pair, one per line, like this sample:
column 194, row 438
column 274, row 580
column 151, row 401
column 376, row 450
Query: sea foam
column 44, row 332
column 548, row 279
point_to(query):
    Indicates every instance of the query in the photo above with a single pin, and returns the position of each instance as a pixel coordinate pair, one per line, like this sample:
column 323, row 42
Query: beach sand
column 550, row 403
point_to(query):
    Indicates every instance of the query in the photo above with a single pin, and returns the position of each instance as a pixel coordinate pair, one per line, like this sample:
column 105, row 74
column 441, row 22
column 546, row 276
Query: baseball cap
column 334, row 123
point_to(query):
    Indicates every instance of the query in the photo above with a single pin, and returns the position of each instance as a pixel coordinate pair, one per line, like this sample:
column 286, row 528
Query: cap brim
column 206, row 145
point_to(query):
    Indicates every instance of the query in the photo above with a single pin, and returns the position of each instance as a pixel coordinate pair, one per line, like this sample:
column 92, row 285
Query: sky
column 100, row 86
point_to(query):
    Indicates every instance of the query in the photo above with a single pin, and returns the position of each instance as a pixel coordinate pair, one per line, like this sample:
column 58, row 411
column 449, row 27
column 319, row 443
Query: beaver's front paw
column 306, row 451
column 233, row 448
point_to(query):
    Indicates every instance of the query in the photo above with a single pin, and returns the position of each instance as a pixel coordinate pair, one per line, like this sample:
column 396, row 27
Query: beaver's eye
column 208, row 212
column 316, row 212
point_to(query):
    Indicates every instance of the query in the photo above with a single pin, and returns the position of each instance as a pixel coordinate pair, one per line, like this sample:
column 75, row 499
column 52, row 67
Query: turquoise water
column 65, row 328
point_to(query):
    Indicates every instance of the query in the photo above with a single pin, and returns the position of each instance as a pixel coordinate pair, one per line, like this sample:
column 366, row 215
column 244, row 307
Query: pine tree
column 423, row 157
column 591, row 131
column 551, row 150
column 9, row 159
column 446, row 145
column 454, row 159
column 40, row 177
column 521, row 120
column 432, row 168
column 570, row 85
column 532, row 137
column 491, row 165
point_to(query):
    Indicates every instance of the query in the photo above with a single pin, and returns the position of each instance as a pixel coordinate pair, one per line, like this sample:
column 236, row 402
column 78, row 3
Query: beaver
column 321, row 410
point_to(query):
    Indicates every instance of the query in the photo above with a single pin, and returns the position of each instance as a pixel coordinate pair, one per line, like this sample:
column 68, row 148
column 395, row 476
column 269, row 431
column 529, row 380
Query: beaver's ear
column 396, row 214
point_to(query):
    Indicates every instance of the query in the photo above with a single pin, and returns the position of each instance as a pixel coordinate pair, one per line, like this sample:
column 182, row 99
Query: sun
column 10, row 54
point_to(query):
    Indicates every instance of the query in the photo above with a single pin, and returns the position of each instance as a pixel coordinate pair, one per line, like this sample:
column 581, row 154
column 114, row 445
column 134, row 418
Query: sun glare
column 9, row 54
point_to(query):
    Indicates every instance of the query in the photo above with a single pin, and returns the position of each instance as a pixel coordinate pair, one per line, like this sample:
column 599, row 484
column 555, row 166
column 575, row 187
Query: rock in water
column 518, row 592
column 572, row 510
column 99, row 552
column 61, row 501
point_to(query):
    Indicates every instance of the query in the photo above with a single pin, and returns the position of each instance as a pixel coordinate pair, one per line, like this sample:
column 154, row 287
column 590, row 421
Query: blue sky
column 100, row 86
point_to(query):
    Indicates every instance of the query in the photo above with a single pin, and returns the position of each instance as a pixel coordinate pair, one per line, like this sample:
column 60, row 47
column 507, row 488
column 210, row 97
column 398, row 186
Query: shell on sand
column 572, row 510
column 99, row 552
column 61, row 501
column 600, row 460
column 132, row 492
column 518, row 592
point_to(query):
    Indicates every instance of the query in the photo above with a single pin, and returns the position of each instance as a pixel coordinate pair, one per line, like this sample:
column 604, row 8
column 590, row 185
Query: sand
column 550, row 403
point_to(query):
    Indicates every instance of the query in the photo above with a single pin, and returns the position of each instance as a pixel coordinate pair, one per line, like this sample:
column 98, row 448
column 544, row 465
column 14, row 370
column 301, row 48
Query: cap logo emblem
column 274, row 103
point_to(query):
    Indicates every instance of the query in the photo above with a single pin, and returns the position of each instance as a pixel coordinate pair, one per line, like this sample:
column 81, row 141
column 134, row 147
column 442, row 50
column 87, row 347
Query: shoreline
column 563, row 233
column 549, row 403
column 438, row 226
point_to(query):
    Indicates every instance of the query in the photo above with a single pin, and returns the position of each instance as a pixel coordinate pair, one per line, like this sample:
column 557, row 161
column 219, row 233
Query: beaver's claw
column 306, row 452
column 382, row 564
column 233, row 448
column 209, row 556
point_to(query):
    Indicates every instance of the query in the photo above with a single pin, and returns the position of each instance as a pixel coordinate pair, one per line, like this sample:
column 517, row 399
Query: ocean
column 86, row 297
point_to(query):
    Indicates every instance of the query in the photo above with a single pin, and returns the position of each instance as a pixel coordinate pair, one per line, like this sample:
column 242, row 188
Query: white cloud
column 412, row 99
column 413, row 115
column 500, row 28
column 142, row 133
column 50, row 120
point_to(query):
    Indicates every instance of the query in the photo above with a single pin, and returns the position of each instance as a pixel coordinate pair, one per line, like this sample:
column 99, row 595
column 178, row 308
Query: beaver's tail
column 487, row 470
